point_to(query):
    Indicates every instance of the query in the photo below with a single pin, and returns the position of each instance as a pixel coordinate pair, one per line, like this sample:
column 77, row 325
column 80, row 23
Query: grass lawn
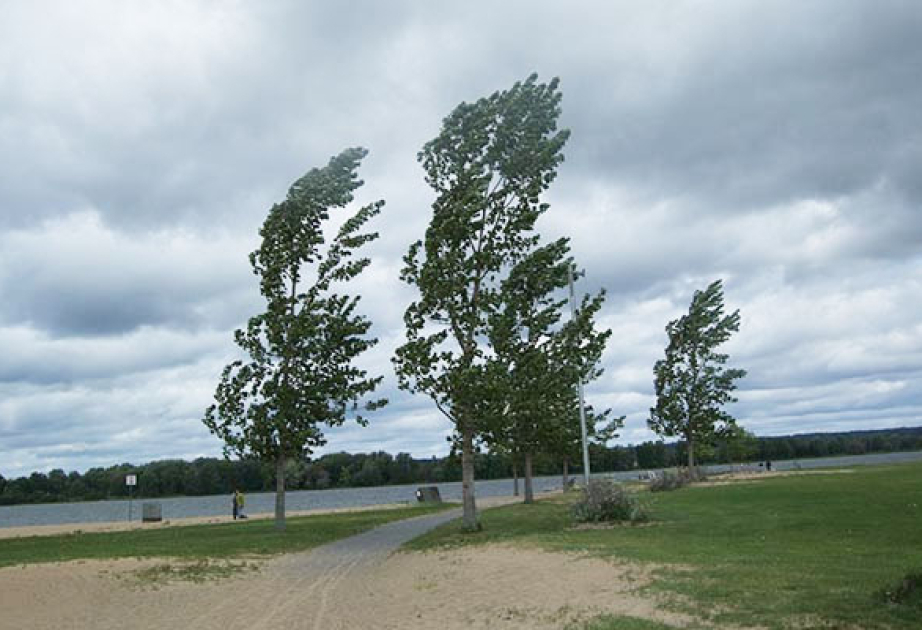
column 196, row 542
column 800, row 551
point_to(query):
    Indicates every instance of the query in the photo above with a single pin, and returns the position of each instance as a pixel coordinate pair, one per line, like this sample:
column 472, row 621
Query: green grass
column 802, row 551
column 194, row 542
column 197, row 571
column 608, row 622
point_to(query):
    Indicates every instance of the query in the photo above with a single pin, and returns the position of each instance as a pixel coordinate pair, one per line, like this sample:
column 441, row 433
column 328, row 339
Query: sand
column 749, row 476
column 487, row 587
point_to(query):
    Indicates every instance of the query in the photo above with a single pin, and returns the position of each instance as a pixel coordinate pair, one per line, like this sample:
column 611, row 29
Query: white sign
column 131, row 480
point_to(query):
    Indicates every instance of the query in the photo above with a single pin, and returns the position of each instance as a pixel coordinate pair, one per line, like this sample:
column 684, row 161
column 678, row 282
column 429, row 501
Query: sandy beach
column 489, row 587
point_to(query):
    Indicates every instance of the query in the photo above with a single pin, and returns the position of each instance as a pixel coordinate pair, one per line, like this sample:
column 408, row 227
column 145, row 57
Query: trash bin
column 151, row 513
column 428, row 494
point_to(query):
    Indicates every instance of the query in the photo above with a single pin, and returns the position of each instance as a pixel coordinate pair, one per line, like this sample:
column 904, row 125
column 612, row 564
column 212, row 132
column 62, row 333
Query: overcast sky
column 776, row 145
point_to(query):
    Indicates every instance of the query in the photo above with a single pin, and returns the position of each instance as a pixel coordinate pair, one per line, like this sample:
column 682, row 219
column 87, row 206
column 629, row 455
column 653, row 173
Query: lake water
column 182, row 507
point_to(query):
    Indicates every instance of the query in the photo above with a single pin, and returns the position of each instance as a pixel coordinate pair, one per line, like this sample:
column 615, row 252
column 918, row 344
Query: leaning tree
column 692, row 383
column 539, row 360
column 299, row 374
column 489, row 166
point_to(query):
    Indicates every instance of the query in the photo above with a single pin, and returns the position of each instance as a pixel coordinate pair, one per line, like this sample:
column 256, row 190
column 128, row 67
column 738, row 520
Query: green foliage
column 299, row 375
column 538, row 361
column 737, row 445
column 604, row 501
column 489, row 166
column 691, row 383
column 197, row 572
column 610, row 622
column 799, row 551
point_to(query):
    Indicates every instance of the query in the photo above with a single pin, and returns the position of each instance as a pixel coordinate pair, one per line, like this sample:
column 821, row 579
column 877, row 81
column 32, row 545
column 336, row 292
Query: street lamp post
column 579, row 386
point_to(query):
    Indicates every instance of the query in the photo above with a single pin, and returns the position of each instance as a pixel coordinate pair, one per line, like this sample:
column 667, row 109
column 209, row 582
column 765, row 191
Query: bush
column 907, row 591
column 673, row 481
column 604, row 501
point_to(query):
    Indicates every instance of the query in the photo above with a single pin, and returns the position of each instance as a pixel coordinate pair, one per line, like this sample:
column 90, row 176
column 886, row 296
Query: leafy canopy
column 692, row 383
column 488, row 167
column 538, row 361
column 299, row 373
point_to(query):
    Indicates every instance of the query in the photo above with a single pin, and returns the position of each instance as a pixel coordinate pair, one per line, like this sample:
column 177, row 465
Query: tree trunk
column 515, row 479
column 280, row 493
column 566, row 474
column 529, row 491
column 467, row 479
column 690, row 442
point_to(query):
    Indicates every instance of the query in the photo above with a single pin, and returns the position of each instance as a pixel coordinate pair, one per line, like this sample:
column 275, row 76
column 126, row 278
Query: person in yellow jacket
column 240, row 513
column 238, row 505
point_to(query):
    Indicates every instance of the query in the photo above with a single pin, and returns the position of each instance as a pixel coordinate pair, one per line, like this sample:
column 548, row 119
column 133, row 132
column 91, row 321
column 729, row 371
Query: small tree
column 601, row 427
column 299, row 374
column 692, row 385
column 488, row 166
column 739, row 445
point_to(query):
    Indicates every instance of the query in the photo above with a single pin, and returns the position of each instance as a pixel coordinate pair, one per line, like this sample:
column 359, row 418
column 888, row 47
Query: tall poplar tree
column 489, row 166
column 299, row 374
column 692, row 383
column 539, row 360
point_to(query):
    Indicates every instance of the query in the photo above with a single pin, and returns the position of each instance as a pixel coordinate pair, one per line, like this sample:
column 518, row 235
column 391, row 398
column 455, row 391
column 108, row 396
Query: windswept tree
column 299, row 374
column 692, row 383
column 539, row 360
column 489, row 166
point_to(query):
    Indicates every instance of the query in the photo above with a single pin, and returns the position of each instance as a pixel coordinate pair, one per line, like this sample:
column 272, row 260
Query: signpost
column 131, row 481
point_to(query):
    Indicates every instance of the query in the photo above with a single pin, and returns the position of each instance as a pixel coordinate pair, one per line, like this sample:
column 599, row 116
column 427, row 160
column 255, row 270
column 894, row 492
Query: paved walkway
column 316, row 575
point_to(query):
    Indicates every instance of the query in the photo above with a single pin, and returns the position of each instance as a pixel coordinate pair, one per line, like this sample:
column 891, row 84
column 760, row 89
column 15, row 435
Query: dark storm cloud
column 76, row 276
column 762, row 104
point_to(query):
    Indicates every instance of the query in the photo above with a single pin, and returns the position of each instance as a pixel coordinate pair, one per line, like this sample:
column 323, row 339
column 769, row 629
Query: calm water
column 180, row 507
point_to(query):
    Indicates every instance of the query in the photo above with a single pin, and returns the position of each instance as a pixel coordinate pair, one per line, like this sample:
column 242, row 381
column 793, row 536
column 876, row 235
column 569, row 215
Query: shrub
column 673, row 481
column 907, row 591
column 605, row 501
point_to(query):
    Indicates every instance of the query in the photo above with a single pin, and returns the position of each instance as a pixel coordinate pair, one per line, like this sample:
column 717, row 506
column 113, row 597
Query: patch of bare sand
column 737, row 477
column 490, row 587
column 497, row 587
column 118, row 526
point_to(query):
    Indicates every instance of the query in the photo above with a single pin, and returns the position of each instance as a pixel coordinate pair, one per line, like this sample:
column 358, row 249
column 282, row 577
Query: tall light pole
column 579, row 385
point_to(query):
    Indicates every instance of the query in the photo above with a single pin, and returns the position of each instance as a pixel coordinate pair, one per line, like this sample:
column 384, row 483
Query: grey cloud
column 76, row 276
column 784, row 102
column 33, row 357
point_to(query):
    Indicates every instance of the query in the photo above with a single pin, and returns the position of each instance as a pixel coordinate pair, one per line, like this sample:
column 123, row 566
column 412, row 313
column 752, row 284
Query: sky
column 776, row 145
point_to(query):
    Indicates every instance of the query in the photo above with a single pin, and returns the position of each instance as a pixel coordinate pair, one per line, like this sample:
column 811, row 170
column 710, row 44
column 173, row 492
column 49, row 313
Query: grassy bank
column 800, row 551
column 194, row 542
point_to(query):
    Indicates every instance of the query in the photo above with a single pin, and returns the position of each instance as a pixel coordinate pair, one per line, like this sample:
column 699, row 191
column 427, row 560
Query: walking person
column 236, row 501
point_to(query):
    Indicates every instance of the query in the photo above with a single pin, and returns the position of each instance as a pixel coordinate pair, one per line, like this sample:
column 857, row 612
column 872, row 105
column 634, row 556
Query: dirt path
column 352, row 583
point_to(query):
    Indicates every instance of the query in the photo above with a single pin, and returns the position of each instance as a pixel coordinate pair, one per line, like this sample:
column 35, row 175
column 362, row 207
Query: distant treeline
column 341, row 470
